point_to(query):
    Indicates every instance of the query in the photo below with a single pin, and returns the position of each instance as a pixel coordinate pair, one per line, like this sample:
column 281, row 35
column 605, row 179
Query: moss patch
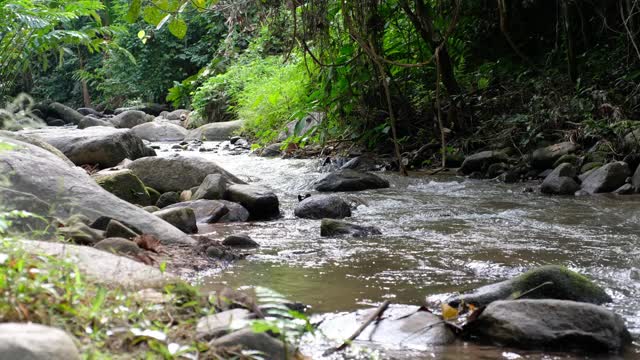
column 125, row 185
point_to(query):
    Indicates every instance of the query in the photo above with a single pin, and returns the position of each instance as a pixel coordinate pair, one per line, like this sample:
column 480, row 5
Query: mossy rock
column 125, row 185
column 154, row 195
column 590, row 166
column 561, row 284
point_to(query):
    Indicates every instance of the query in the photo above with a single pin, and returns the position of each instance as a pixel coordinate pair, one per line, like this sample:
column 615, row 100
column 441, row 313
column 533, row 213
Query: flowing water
column 441, row 234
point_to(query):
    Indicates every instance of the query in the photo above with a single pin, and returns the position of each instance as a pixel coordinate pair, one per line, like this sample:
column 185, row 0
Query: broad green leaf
column 199, row 4
column 134, row 11
column 153, row 15
column 178, row 28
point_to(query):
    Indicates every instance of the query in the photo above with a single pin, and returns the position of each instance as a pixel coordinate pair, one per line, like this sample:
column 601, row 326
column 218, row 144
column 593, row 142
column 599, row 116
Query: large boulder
column 544, row 158
column 89, row 111
column 180, row 114
column 215, row 211
column 34, row 140
column 90, row 121
column 632, row 140
column 323, row 206
column 218, row 131
column 212, row 188
column 182, row 218
column 69, row 190
column 31, row 341
column 551, row 325
column 481, row 161
column 160, row 131
column 125, row 185
column 561, row 181
column 99, row 145
column 607, row 178
column 261, row 202
column 350, row 180
column 130, row 119
column 69, row 115
column 16, row 200
column 332, row 227
column 545, row 282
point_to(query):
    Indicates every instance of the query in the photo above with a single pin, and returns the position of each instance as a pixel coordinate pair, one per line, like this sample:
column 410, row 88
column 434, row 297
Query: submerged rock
column 480, row 162
column 125, row 185
column 561, row 181
column 544, row 158
column 240, row 241
column 261, row 202
column 562, row 284
column 551, row 324
column 323, row 206
column 331, row 227
column 607, row 178
column 218, row 131
column 20, row 341
column 350, row 180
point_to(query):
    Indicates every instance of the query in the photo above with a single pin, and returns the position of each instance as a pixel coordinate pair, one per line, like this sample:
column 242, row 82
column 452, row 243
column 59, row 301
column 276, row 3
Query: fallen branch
column 379, row 311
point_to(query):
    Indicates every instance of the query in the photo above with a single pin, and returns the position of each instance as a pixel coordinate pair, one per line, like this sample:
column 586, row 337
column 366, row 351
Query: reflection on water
column 440, row 235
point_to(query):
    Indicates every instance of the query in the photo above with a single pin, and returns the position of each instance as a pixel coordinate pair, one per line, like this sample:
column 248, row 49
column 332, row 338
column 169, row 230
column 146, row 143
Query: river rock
column 564, row 285
column 89, row 111
column 39, row 226
column 160, row 131
column 34, row 140
column 116, row 229
column 561, row 181
column 168, row 198
column 69, row 190
column 218, row 131
column 178, row 172
column 240, row 241
column 551, row 324
column 323, row 206
column 20, row 341
column 182, row 218
column 221, row 323
column 272, row 150
column 80, row 234
column 69, row 115
column 544, row 158
column 130, row 119
column 625, row 189
column 247, row 339
column 635, row 179
column 261, row 202
column 99, row 145
column 331, row 227
column 180, row 114
column 480, row 162
column 215, row 211
column 212, row 188
column 119, row 246
column 89, row 121
column 125, row 185
column 607, row 178
column 148, row 108
column 350, row 180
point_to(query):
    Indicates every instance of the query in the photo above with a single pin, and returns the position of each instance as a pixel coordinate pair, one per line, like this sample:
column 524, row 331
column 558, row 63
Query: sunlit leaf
column 178, row 28
column 134, row 11
column 141, row 34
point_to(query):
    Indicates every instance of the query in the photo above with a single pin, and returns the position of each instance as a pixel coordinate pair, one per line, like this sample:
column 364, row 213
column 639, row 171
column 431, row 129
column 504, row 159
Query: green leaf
column 178, row 28
column 199, row 4
column 152, row 15
column 134, row 11
column 141, row 34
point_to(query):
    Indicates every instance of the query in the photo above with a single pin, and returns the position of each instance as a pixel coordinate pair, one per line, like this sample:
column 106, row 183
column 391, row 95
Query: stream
column 441, row 234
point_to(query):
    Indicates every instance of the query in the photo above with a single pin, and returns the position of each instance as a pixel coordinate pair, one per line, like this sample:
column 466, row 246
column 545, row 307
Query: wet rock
column 323, row 206
column 248, row 339
column 331, row 227
column 551, row 324
column 221, row 323
column 215, row 211
column 212, row 188
column 607, row 178
column 261, row 202
column 168, row 198
column 218, row 131
column 89, row 121
column 182, row 218
column 118, row 246
column 80, row 234
column 564, row 285
column 130, row 119
column 240, row 241
column 20, row 341
column 160, row 131
column 544, row 158
column 177, row 173
column 116, row 229
column 633, row 160
column 99, row 145
column 272, row 150
column 350, row 180
column 625, row 189
column 561, row 181
column 481, row 161
column 125, row 185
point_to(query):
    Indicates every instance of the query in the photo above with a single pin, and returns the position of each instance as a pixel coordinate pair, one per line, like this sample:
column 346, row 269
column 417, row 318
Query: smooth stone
column 80, row 234
column 606, row 178
column 323, row 206
column 89, row 121
column 240, row 241
column 167, row 199
column 261, row 202
column 218, row 131
column 130, row 119
column 544, row 158
column 248, row 339
column 160, row 131
column 480, row 162
column 215, row 211
column 29, row 341
column 561, row 181
column 182, row 218
column 212, row 188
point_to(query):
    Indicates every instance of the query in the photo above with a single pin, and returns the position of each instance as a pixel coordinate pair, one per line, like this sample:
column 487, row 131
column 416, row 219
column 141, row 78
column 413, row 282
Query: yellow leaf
column 449, row 312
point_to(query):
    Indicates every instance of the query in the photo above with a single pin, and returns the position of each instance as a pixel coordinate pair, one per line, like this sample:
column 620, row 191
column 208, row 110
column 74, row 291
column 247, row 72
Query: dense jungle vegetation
column 417, row 77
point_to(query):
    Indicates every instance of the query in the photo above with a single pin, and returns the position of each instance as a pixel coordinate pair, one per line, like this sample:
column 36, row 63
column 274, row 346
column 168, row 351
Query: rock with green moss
column 545, row 282
column 154, row 195
column 125, row 185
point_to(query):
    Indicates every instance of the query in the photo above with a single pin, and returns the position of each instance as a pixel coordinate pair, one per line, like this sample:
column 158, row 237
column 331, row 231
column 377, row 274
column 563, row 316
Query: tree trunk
column 570, row 41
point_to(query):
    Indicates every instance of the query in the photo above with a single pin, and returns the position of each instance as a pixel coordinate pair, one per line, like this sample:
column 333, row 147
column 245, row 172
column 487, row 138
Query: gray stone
column 625, row 189
column 182, row 218
column 481, row 161
column 331, row 227
column 607, row 178
column 99, row 145
column 80, row 234
column 177, row 173
column 148, row 108
column 180, row 114
column 118, row 246
column 261, row 202
column 323, row 206
column 551, row 325
column 130, row 119
column 89, row 111
column 350, row 180
column 218, row 131
column 221, row 323
column 151, row 208
column 215, row 211
column 69, row 190
column 240, row 241
column 561, row 181
column 212, row 188
column 168, row 198
column 544, row 158
column 125, row 185
column 248, row 339
column 160, row 131
column 20, row 341
column 116, row 229
column 635, row 179
column 69, row 115
column 39, row 226
column 89, row 121
column 272, row 150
